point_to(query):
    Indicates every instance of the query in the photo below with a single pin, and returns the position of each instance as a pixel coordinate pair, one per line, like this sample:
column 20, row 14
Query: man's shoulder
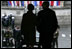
column 51, row 10
column 41, row 11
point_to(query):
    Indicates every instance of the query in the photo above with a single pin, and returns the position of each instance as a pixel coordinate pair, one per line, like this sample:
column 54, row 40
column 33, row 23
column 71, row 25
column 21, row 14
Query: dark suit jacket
column 46, row 23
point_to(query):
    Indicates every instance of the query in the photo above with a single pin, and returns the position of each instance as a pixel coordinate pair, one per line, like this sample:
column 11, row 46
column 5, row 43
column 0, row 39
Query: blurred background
column 11, row 17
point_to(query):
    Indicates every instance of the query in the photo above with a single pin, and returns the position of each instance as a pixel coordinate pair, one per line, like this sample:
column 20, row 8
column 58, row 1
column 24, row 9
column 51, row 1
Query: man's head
column 45, row 5
column 30, row 7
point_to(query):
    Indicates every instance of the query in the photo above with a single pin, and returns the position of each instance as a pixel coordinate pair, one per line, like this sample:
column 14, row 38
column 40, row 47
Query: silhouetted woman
column 28, row 26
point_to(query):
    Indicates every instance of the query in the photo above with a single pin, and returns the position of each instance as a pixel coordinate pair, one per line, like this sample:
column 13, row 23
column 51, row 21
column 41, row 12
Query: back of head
column 10, row 14
column 17, row 27
column 45, row 5
column 30, row 7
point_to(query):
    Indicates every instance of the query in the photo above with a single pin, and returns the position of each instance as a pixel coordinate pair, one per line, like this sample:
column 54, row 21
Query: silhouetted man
column 47, row 25
column 28, row 26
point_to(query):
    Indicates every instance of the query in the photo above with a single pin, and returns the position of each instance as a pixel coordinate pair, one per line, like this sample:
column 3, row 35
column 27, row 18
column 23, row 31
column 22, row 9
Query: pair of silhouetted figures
column 46, row 24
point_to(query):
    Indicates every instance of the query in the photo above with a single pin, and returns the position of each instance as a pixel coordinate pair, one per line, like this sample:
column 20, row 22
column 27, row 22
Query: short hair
column 45, row 4
column 30, row 7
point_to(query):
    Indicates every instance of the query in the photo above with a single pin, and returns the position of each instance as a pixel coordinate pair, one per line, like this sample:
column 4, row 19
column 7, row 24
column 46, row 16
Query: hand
column 22, row 36
column 20, row 40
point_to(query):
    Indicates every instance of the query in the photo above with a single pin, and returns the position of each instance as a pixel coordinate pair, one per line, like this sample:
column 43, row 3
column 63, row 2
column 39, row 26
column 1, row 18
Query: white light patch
column 24, row 46
column 70, row 35
column 63, row 35
column 35, row 46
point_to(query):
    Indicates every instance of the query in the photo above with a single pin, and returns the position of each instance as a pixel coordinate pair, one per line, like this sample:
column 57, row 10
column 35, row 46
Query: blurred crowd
column 11, row 33
column 8, row 20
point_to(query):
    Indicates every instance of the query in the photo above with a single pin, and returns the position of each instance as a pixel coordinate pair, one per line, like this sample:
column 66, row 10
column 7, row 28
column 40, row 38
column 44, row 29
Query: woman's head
column 30, row 7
